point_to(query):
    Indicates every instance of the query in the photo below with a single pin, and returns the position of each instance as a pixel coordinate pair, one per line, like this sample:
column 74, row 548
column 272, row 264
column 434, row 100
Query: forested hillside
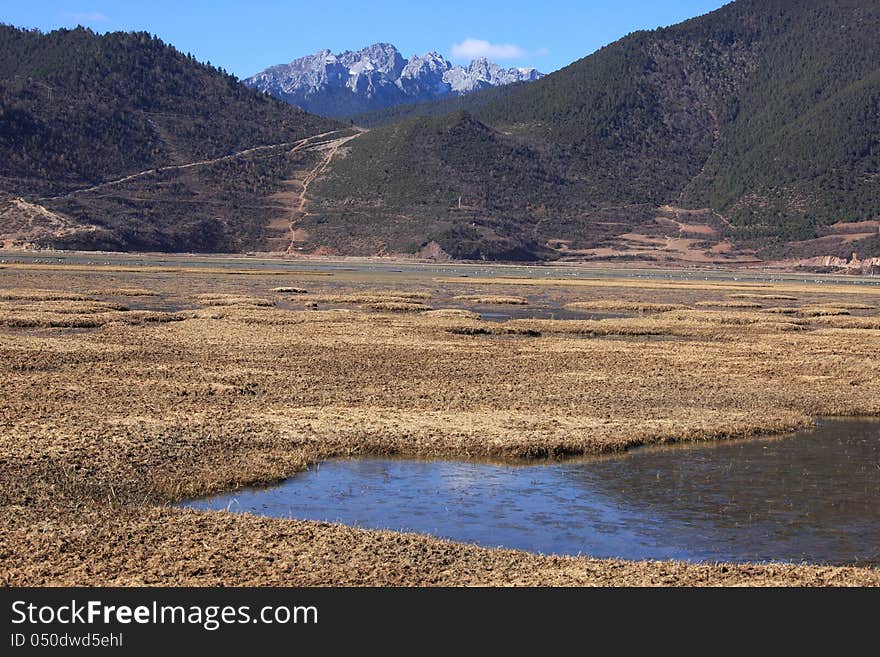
column 78, row 109
column 762, row 113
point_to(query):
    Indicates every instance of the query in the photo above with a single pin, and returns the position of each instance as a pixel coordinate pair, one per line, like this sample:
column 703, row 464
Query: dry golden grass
column 113, row 546
column 728, row 318
column 232, row 300
column 91, row 319
column 537, row 327
column 491, row 300
column 398, row 306
column 745, row 295
column 820, row 311
column 125, row 292
column 728, row 304
column 689, row 323
column 628, row 306
column 23, row 294
column 845, row 322
column 101, row 426
column 781, row 310
column 814, row 311
column 290, row 290
column 62, row 307
column 452, row 313
column 372, row 297
column 855, row 306
column 47, row 320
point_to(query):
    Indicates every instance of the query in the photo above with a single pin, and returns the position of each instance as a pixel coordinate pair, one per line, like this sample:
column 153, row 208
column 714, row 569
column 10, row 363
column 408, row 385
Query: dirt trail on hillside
column 297, row 145
column 332, row 148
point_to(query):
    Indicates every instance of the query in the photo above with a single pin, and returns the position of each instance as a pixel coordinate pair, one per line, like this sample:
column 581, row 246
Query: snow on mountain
column 482, row 73
column 376, row 77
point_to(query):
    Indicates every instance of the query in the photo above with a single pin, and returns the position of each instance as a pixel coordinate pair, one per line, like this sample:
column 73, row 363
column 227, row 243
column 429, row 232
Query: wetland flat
column 133, row 385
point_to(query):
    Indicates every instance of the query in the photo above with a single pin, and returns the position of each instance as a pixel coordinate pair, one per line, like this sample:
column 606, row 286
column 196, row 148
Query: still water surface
column 814, row 496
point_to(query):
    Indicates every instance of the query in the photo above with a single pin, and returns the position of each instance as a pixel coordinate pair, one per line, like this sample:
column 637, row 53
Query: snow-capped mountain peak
column 377, row 76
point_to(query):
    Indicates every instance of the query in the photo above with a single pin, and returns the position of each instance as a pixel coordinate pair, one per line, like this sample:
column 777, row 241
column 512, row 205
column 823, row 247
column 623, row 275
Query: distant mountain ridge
column 378, row 77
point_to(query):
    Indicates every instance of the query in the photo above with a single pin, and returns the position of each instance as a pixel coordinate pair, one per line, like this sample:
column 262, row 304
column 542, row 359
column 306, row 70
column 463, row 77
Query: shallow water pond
column 813, row 496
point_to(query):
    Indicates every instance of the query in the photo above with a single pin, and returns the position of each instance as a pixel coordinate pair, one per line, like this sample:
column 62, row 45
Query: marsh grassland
column 128, row 388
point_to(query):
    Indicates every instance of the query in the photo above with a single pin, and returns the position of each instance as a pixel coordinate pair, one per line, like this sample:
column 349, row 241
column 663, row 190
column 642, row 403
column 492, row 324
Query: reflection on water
column 812, row 497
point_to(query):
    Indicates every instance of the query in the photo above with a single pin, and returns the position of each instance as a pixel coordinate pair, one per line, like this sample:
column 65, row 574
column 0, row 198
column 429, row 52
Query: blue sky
column 246, row 37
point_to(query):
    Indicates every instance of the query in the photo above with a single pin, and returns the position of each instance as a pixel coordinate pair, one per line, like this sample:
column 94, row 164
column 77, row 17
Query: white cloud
column 474, row 48
column 85, row 17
